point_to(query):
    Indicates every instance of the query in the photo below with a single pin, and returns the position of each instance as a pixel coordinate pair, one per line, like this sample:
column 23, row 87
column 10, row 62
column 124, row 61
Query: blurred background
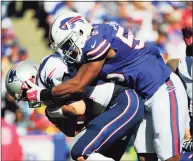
column 26, row 133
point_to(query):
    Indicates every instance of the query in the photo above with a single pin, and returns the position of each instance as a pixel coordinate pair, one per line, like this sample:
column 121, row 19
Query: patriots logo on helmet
column 69, row 23
column 12, row 76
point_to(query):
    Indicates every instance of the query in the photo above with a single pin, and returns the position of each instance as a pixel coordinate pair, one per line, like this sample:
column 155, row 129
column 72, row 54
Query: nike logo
column 113, row 105
column 92, row 46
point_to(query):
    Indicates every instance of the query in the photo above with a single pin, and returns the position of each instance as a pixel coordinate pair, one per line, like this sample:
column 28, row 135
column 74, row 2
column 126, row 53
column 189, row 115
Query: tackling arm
column 86, row 74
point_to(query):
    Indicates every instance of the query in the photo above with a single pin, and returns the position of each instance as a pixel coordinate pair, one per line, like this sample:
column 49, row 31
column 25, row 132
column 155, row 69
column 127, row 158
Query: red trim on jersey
column 102, row 53
column 97, row 48
column 174, row 122
column 51, row 73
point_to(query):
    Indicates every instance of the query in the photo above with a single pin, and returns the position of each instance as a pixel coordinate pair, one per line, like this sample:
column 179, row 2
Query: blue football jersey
column 139, row 65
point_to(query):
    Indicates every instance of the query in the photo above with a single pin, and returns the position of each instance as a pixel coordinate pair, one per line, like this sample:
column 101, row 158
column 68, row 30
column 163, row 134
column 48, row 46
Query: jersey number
column 129, row 40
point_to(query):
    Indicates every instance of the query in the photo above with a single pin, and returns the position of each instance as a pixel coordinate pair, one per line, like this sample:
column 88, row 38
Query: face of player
column 71, row 51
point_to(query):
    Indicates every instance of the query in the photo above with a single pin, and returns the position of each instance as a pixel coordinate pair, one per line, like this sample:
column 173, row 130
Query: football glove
column 33, row 94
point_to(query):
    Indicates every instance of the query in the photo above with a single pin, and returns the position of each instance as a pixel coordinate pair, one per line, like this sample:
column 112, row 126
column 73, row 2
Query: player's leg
column 115, row 151
column 187, row 156
column 143, row 143
column 117, row 148
column 110, row 126
column 169, row 113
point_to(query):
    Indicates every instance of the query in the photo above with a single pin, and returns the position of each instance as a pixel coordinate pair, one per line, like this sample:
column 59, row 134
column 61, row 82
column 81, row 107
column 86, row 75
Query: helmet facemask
column 69, row 49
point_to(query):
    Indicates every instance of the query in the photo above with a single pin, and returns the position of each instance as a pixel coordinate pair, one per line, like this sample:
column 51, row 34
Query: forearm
column 62, row 93
column 68, row 87
column 75, row 86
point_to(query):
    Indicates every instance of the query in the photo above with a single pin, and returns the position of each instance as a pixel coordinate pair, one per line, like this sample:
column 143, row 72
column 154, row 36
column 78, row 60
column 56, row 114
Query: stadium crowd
column 159, row 23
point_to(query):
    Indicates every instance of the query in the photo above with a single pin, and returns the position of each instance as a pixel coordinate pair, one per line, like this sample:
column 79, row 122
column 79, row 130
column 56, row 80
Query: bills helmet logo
column 69, row 23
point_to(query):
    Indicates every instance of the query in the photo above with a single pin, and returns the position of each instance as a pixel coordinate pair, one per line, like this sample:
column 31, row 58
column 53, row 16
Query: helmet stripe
column 74, row 19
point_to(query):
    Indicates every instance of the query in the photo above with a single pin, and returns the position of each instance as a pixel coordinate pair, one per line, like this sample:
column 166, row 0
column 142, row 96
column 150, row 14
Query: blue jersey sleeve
column 96, row 47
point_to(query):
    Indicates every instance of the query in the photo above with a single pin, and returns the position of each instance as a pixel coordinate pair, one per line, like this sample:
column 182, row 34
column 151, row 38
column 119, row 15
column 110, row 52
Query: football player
column 110, row 50
column 183, row 67
column 118, row 118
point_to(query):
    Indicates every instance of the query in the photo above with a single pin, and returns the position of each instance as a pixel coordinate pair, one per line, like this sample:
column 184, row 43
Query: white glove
column 33, row 94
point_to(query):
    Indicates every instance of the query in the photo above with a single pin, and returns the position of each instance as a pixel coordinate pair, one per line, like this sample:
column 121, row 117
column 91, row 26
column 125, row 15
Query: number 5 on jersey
column 129, row 40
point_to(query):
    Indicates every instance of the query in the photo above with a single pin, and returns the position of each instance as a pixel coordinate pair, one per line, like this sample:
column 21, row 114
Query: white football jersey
column 51, row 72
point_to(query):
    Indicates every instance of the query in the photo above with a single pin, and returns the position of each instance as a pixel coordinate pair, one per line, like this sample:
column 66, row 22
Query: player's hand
column 187, row 34
column 33, row 94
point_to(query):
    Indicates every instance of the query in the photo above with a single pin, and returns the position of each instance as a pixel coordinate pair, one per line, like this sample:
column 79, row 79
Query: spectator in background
column 8, row 40
column 96, row 13
column 175, row 45
column 38, row 123
column 83, row 7
column 11, row 47
column 160, row 43
column 11, row 149
column 187, row 15
column 4, row 8
column 21, row 122
column 144, row 12
column 53, row 10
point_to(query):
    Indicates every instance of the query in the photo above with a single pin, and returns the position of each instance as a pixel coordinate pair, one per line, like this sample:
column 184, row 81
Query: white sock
column 97, row 156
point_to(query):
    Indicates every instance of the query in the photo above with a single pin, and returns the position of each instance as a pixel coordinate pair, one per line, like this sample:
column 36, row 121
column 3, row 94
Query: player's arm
column 65, row 118
column 85, row 75
column 95, row 54
column 76, row 108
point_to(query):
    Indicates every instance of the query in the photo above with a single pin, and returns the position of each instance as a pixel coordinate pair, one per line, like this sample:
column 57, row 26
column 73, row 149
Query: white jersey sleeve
column 51, row 71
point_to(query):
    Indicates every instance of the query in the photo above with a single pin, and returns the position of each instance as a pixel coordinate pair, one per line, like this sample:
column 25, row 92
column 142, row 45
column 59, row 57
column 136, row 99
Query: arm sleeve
column 96, row 48
column 54, row 71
